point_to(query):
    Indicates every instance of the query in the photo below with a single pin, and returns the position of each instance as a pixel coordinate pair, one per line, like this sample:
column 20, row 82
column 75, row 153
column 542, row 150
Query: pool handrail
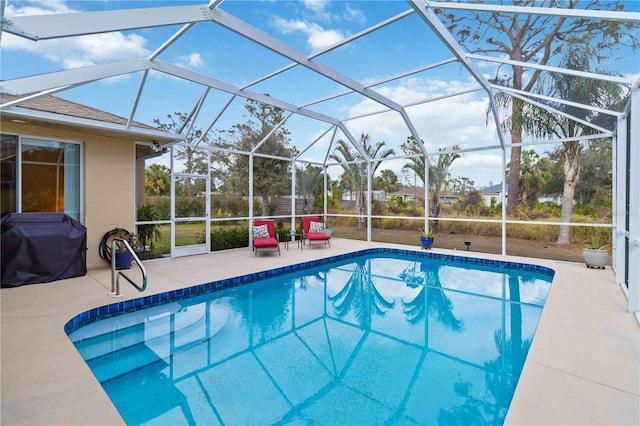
column 115, row 278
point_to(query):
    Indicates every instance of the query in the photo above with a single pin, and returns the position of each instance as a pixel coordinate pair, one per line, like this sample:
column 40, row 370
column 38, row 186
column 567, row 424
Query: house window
column 8, row 172
column 46, row 178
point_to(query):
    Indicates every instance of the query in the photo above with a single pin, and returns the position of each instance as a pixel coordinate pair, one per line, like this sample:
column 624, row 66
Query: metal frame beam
column 430, row 18
column 585, row 74
column 41, row 82
column 59, row 25
column 550, row 11
column 196, row 77
column 240, row 27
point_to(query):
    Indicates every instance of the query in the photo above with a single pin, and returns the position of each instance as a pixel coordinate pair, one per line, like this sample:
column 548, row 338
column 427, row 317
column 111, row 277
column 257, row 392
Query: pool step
column 116, row 352
column 112, row 365
column 109, row 358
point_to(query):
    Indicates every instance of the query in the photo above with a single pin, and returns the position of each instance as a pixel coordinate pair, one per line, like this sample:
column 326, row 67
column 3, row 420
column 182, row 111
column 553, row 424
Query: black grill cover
column 42, row 247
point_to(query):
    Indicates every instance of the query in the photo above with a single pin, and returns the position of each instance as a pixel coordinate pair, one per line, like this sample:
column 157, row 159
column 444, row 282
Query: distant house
column 492, row 194
column 409, row 194
column 555, row 200
column 416, row 194
column 377, row 195
column 448, row 198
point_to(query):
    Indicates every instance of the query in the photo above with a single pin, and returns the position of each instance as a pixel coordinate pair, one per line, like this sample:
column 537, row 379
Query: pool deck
column 583, row 367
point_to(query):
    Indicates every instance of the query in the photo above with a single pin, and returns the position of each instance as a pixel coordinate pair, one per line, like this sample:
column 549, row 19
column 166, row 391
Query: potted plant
column 123, row 255
column 150, row 232
column 595, row 254
column 426, row 239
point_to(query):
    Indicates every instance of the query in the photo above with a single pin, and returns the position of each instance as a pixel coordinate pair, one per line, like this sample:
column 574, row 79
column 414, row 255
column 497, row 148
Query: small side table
column 292, row 238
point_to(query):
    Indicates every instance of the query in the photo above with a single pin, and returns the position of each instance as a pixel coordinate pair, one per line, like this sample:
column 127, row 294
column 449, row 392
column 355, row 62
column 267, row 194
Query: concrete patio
column 583, row 366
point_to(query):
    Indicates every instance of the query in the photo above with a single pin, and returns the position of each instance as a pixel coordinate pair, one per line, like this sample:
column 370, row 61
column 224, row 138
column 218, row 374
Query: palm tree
column 157, row 179
column 346, row 156
column 439, row 173
column 387, row 181
column 307, row 180
column 581, row 90
column 534, row 175
column 355, row 174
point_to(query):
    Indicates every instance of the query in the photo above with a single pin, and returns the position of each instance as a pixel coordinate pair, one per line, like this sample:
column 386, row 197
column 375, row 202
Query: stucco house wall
column 108, row 178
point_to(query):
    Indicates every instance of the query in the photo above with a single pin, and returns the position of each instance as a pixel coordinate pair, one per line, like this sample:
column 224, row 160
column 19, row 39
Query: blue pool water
column 376, row 337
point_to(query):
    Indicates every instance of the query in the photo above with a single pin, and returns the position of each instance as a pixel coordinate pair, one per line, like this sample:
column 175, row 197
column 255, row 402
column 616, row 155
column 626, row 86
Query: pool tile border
column 132, row 305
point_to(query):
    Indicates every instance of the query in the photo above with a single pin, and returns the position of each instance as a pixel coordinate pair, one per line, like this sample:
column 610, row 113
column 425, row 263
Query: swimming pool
column 378, row 336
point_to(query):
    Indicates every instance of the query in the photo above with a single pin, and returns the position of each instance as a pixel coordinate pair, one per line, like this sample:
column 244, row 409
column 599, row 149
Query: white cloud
column 193, row 60
column 317, row 6
column 38, row 8
column 441, row 124
column 317, row 37
column 77, row 51
column 483, row 168
column 352, row 14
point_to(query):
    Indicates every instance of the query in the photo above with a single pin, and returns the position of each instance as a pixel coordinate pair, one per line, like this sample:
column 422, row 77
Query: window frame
column 20, row 167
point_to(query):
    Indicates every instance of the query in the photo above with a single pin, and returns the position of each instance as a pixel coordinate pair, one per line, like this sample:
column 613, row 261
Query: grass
column 186, row 234
column 522, row 240
column 479, row 243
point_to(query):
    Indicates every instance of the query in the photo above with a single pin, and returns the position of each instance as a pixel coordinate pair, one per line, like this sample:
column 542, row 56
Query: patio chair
column 265, row 236
column 312, row 230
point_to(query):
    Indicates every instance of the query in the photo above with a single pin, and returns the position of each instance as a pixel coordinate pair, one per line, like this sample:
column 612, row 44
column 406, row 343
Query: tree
column 417, row 163
column 534, row 175
column 462, row 185
column 596, row 174
column 439, row 174
column 335, row 188
column 582, row 90
column 271, row 176
column 387, row 181
column 157, row 179
column 350, row 171
column 307, row 181
column 538, row 38
column 195, row 160
column 354, row 167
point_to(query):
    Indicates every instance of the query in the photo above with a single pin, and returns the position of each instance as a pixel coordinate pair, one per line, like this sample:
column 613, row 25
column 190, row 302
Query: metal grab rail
column 115, row 278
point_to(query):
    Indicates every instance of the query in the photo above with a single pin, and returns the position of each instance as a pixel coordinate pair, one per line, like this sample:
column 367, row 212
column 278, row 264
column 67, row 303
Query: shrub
column 163, row 207
column 396, row 204
column 148, row 233
column 544, row 211
column 223, row 238
column 585, row 210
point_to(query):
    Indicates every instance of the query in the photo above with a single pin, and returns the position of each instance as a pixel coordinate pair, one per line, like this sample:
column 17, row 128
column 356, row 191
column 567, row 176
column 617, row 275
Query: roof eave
column 159, row 135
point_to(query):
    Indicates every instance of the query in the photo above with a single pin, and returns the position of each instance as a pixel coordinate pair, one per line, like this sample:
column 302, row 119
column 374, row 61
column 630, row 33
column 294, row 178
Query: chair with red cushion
column 313, row 234
column 264, row 236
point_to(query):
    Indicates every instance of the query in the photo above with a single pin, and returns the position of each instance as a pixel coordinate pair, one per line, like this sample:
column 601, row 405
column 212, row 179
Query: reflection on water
column 367, row 341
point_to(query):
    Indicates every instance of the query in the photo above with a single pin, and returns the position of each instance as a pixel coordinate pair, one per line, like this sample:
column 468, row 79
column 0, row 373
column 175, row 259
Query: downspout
column 250, row 198
column 368, row 201
column 293, row 194
column 324, row 171
column 503, row 214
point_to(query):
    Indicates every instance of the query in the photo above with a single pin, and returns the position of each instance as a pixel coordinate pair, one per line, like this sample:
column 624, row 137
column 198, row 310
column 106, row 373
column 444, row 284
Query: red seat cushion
column 317, row 236
column 265, row 242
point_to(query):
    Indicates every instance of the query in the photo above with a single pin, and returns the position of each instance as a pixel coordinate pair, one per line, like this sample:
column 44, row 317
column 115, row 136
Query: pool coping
column 126, row 306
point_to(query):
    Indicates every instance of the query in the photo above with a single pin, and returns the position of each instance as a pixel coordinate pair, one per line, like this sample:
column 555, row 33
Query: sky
column 308, row 26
